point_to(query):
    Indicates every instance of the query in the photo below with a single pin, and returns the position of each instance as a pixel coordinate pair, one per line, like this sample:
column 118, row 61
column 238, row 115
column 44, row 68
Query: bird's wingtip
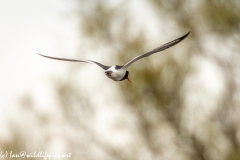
column 39, row 54
column 183, row 37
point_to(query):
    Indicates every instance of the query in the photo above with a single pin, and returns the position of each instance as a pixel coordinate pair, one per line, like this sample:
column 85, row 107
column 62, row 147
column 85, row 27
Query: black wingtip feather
column 183, row 37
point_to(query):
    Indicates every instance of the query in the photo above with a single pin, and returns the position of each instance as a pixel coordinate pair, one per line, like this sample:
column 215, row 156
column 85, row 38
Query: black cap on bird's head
column 126, row 77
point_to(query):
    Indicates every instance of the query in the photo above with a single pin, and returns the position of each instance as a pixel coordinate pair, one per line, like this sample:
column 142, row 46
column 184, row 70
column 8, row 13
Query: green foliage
column 156, row 94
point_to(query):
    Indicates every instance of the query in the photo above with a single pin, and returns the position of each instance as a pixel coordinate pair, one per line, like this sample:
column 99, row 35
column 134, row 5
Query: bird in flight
column 117, row 72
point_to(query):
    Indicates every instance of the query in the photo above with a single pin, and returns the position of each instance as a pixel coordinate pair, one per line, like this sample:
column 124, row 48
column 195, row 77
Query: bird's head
column 126, row 76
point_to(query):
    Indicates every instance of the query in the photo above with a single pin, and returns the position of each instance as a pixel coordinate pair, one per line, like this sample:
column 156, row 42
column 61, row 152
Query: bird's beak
column 128, row 79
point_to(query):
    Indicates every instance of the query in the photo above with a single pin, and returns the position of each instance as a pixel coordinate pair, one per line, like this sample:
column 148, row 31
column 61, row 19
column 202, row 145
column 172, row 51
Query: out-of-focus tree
column 181, row 112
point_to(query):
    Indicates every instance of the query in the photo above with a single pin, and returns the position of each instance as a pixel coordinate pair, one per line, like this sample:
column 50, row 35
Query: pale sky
column 27, row 27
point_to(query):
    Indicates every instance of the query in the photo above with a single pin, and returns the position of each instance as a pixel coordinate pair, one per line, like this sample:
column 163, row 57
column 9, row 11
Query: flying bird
column 117, row 72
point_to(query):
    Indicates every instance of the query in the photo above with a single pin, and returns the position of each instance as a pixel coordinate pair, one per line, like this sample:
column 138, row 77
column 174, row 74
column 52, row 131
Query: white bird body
column 119, row 73
column 116, row 74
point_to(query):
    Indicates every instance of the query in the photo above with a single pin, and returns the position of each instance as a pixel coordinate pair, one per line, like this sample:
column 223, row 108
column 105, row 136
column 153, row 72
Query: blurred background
column 183, row 103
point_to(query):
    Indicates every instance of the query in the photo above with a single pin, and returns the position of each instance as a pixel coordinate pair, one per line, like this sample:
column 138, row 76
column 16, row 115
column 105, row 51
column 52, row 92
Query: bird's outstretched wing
column 161, row 48
column 74, row 60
